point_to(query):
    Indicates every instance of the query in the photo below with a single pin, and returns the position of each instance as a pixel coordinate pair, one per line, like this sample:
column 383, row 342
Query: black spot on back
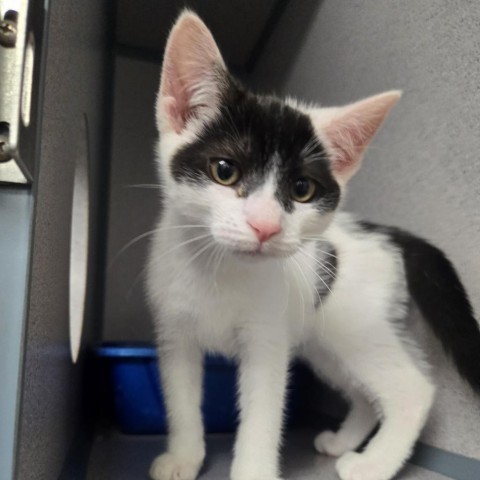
column 437, row 290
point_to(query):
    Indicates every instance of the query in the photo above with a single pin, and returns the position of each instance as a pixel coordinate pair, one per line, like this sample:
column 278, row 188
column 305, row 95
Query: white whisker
column 207, row 265
column 216, row 264
column 319, row 277
column 320, row 298
column 318, row 295
column 135, row 281
column 176, row 247
column 143, row 271
column 128, row 245
column 219, row 261
column 300, row 291
column 317, row 239
column 147, row 234
column 197, row 253
column 318, row 262
column 144, row 185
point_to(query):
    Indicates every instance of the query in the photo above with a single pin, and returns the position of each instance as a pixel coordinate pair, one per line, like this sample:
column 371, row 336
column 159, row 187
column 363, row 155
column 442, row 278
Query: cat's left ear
column 347, row 131
column 192, row 74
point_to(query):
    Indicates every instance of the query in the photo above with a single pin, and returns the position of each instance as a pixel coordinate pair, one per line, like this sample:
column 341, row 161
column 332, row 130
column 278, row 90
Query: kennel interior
column 85, row 148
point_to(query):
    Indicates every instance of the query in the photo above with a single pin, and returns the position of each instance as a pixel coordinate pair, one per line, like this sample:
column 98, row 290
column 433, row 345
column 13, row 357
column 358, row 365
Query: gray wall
column 423, row 171
column 77, row 65
column 134, row 202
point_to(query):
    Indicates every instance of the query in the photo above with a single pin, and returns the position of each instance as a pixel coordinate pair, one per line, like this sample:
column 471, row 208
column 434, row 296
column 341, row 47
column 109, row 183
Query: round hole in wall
column 79, row 237
column 27, row 80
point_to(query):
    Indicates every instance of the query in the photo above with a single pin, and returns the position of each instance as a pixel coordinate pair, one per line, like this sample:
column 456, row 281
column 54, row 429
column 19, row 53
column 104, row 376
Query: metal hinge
column 17, row 62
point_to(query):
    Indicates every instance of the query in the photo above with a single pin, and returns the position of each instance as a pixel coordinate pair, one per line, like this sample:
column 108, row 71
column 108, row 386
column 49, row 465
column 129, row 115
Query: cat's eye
column 303, row 189
column 224, row 172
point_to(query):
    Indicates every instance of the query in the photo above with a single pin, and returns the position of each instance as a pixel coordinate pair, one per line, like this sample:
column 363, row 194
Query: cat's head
column 262, row 174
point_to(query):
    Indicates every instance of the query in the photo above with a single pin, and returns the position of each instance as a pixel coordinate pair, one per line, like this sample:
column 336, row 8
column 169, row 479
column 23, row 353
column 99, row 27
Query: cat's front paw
column 357, row 466
column 332, row 443
column 172, row 467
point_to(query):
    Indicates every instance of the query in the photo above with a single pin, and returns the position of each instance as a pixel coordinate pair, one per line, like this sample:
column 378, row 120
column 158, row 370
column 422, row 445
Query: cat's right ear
column 192, row 74
column 347, row 131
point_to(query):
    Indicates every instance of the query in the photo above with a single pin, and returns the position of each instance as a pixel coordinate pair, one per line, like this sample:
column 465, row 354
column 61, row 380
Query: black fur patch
column 260, row 134
column 437, row 290
column 327, row 255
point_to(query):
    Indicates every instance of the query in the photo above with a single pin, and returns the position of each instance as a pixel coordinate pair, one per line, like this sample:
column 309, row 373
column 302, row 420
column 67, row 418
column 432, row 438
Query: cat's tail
column 436, row 288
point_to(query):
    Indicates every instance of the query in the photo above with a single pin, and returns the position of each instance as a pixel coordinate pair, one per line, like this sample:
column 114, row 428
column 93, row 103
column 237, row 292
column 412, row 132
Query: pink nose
column 264, row 229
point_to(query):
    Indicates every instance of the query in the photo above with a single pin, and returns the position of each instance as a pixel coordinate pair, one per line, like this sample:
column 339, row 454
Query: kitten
column 252, row 260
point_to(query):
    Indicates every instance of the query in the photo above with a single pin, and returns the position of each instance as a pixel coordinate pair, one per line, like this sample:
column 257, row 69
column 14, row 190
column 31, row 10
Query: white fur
column 214, row 287
column 260, row 311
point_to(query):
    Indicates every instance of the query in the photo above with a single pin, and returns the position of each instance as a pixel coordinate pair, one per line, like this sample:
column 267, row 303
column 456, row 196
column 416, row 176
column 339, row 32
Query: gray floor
column 122, row 457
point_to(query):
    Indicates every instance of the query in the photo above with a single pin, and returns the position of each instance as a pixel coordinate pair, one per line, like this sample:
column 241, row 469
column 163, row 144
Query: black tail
column 436, row 288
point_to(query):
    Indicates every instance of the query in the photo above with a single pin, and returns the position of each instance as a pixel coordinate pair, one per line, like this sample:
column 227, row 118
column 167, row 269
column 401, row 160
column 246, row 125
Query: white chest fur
column 213, row 301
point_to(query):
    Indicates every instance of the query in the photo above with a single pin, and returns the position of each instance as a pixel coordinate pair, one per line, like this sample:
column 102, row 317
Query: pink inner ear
column 174, row 114
column 172, row 100
column 350, row 130
column 348, row 145
column 191, row 57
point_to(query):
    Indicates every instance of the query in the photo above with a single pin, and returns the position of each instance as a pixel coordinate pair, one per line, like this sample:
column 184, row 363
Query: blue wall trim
column 15, row 220
column 446, row 463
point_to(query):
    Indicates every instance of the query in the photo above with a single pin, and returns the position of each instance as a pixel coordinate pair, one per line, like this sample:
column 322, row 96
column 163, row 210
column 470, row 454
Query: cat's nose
column 264, row 229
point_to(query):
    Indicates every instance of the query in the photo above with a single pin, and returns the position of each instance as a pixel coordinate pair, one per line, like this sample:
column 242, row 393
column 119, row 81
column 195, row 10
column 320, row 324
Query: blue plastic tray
column 137, row 394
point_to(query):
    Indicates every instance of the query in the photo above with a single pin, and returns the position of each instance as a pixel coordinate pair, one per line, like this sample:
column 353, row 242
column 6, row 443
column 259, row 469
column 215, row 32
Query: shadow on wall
column 241, row 29
column 293, row 36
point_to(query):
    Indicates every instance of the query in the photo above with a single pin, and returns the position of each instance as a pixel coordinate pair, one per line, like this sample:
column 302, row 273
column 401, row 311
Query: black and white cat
column 252, row 260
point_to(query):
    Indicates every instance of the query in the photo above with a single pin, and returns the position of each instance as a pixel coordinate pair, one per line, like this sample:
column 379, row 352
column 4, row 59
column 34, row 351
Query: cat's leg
column 361, row 417
column 359, row 422
column 181, row 367
column 262, row 383
column 404, row 395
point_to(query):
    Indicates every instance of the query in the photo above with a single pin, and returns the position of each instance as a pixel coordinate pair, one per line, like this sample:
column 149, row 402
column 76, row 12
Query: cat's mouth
column 250, row 253
column 249, row 249
column 261, row 252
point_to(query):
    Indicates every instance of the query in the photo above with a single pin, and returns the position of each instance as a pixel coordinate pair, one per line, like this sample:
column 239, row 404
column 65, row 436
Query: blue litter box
column 137, row 395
